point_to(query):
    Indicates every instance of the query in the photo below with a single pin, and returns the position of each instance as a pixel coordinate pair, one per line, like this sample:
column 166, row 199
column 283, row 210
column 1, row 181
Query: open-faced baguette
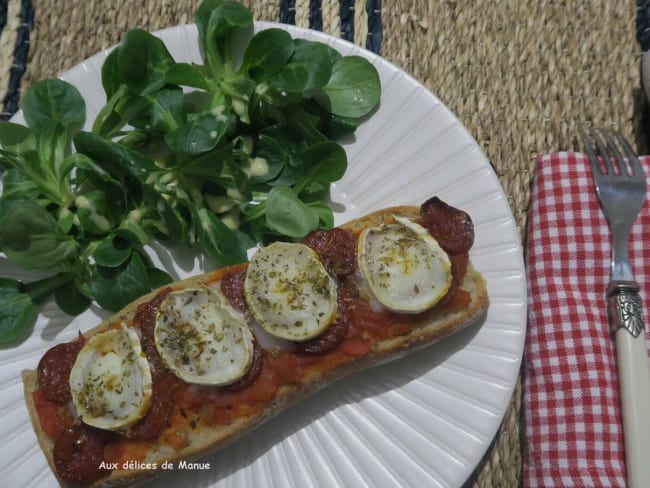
column 439, row 322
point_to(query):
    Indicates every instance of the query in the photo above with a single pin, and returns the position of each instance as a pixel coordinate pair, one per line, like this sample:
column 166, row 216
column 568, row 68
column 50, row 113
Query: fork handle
column 626, row 319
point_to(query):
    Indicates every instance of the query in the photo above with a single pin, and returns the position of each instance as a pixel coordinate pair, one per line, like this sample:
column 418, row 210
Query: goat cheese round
column 201, row 338
column 110, row 380
column 289, row 291
column 404, row 267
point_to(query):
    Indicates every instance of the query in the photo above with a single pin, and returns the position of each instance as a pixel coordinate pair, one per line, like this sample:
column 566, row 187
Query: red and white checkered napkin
column 574, row 434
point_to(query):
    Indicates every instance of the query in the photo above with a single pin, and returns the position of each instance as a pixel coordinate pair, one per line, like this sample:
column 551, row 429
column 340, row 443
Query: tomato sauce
column 123, row 452
column 53, row 418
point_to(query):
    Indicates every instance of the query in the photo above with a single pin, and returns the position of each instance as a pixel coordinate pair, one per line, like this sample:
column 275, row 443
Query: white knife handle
column 634, row 385
column 634, row 379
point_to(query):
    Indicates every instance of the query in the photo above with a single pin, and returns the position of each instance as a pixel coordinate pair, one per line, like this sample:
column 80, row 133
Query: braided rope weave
column 339, row 18
column 643, row 24
column 16, row 21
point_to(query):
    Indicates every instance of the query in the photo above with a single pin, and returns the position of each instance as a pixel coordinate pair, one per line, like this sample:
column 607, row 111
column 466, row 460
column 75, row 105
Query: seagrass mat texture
column 16, row 21
column 521, row 75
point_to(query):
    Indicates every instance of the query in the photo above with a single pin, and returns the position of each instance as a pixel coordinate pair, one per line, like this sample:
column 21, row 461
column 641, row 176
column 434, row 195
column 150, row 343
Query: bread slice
column 442, row 322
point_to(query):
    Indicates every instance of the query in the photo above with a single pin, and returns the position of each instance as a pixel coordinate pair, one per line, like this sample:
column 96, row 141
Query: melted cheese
column 110, row 380
column 289, row 292
column 404, row 266
column 201, row 338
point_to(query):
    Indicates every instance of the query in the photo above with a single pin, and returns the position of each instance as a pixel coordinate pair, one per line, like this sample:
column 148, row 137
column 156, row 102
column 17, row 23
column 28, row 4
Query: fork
column 621, row 189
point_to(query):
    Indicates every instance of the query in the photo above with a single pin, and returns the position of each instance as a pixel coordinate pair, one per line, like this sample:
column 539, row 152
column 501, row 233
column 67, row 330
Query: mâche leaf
column 18, row 312
column 70, row 299
column 114, row 287
column 30, row 237
column 287, row 215
column 53, row 102
column 142, row 61
column 20, row 303
column 199, row 135
column 353, row 89
column 111, row 251
column 219, row 241
column 307, row 69
column 267, row 53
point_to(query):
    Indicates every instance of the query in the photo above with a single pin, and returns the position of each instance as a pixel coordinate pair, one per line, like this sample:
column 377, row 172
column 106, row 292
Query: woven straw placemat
column 522, row 76
column 16, row 21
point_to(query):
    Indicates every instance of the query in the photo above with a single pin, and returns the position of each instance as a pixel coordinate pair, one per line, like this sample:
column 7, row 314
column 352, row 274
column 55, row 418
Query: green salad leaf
column 214, row 156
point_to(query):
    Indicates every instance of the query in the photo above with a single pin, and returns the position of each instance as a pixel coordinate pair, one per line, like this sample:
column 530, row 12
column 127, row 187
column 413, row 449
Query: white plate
column 425, row 420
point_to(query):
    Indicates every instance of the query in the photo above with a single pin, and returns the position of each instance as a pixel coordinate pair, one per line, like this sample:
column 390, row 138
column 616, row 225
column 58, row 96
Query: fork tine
column 593, row 158
column 604, row 154
column 633, row 160
column 619, row 160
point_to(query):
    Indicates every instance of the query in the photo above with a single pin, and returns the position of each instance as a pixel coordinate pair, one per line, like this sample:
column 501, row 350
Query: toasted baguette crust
column 206, row 439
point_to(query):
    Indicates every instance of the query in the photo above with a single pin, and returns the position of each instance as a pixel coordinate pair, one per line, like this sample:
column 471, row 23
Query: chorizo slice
column 162, row 404
column 79, row 453
column 336, row 248
column 253, row 372
column 451, row 227
column 54, row 368
column 459, row 263
column 335, row 333
column 232, row 286
column 145, row 315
